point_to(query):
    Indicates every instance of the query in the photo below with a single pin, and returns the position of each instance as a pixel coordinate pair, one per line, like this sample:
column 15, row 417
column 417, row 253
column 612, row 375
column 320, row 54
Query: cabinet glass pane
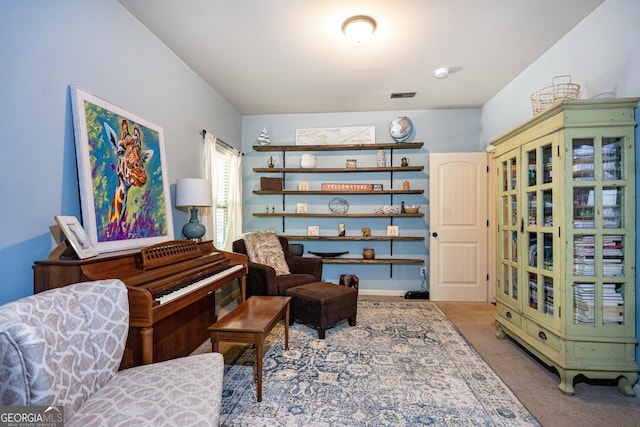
column 514, row 246
column 506, row 246
column 547, row 294
column 514, row 210
column 514, row 174
column 505, row 176
column 531, row 168
column 547, row 197
column 611, row 207
column 505, row 210
column 532, row 212
column 583, row 159
column 505, row 279
column 612, row 160
column 613, row 304
column 547, row 164
column 547, row 240
column 584, row 303
column 532, row 290
column 532, row 259
column 583, row 255
column 514, row 283
column 612, row 255
column 583, row 207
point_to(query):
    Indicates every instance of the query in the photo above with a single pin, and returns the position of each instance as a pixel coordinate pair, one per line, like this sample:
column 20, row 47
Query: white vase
column 382, row 159
column 308, row 161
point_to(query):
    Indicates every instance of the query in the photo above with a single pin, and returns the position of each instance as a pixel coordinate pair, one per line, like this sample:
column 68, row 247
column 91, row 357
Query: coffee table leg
column 286, row 328
column 259, row 368
column 214, row 342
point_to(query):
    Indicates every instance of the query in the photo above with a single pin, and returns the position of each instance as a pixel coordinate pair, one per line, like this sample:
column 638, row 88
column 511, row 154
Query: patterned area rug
column 404, row 364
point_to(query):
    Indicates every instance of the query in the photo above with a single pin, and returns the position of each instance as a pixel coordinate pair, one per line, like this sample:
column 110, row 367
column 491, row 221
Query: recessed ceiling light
column 441, row 73
column 403, row 95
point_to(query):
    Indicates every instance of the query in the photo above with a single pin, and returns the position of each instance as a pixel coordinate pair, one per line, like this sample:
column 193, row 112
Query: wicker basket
column 560, row 89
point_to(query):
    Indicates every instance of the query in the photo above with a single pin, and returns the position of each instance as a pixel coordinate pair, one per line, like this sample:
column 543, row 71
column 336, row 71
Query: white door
column 458, row 226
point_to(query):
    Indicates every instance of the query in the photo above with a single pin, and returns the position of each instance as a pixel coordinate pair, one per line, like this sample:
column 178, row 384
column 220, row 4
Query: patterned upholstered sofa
column 63, row 348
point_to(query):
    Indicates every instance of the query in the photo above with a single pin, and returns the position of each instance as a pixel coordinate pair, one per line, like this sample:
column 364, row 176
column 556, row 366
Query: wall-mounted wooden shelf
column 330, row 215
column 349, row 193
column 357, row 238
column 405, row 261
column 341, row 147
column 350, row 170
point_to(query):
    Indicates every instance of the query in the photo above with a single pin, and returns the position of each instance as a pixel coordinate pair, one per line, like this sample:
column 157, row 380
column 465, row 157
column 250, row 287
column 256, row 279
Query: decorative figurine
column 263, row 139
column 404, row 162
column 402, row 207
column 366, row 232
column 381, row 159
column 273, row 209
column 341, row 231
column 271, row 162
column 405, row 185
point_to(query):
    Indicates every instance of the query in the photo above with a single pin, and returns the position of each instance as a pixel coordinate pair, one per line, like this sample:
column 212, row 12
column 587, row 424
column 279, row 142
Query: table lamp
column 193, row 193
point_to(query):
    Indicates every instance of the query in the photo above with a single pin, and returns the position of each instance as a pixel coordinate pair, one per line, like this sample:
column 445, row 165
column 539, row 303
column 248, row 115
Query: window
column 222, row 171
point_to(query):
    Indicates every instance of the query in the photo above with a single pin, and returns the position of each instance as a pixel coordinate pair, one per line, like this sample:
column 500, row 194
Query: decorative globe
column 401, row 128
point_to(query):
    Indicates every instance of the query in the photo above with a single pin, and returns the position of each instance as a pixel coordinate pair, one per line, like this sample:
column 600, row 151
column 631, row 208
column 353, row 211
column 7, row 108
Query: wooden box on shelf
column 270, row 184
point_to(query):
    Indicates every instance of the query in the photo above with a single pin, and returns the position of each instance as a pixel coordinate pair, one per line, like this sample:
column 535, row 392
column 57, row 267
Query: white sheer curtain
column 226, row 189
column 234, row 202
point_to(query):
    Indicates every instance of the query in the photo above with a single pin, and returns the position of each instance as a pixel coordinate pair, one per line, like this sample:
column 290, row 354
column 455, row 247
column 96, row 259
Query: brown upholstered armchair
column 262, row 279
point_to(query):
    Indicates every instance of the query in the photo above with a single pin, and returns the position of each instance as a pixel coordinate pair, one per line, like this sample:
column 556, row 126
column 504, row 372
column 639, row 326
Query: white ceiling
column 290, row 56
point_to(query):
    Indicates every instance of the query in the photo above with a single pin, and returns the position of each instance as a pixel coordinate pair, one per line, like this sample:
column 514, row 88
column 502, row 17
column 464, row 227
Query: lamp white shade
column 193, row 192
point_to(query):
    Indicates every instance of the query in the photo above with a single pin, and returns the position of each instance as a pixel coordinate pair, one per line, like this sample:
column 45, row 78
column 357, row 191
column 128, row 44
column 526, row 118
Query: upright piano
column 171, row 292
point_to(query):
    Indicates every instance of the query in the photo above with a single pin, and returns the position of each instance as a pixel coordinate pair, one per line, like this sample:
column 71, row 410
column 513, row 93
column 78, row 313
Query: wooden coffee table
column 250, row 323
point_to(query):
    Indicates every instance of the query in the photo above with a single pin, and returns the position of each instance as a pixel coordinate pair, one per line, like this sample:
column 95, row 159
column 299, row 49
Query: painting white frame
column 148, row 208
column 392, row 230
column 313, row 230
column 76, row 236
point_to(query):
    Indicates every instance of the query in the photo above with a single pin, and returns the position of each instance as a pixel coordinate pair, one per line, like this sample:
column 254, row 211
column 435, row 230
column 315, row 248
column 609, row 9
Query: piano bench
column 323, row 304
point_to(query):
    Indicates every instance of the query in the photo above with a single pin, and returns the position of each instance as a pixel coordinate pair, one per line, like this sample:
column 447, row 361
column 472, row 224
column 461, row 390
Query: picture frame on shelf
column 392, row 230
column 76, row 236
column 313, row 230
column 122, row 174
column 302, row 208
column 303, row 186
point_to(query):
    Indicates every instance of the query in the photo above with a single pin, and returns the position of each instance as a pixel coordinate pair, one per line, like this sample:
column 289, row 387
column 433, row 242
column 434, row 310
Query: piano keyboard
column 187, row 287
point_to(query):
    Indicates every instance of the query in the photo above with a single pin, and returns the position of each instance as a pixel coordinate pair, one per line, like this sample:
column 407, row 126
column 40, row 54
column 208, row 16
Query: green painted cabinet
column 565, row 196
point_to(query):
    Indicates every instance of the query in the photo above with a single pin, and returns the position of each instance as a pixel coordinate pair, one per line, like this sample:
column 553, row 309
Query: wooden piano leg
column 146, row 336
column 243, row 288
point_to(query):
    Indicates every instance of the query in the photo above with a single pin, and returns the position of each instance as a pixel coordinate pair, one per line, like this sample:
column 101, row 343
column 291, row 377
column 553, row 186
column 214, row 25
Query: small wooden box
column 270, row 184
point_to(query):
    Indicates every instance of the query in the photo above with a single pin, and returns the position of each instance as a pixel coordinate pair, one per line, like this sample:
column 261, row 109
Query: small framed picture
column 303, row 186
column 351, row 163
column 313, row 230
column 392, row 230
column 76, row 236
column 302, row 208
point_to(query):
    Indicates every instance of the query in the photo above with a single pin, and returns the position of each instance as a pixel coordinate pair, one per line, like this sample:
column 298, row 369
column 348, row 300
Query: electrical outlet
column 423, row 271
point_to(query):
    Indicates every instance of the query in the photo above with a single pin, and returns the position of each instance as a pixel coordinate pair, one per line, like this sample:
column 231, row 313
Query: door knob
column 434, row 234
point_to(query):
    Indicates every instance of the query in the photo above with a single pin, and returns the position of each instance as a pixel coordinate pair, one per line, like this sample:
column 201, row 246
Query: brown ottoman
column 323, row 304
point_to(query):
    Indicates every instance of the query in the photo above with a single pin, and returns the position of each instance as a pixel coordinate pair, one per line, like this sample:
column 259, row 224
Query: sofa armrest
column 187, row 391
column 304, row 265
column 261, row 280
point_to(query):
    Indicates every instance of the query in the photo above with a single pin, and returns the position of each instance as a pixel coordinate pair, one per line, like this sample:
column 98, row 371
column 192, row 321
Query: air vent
column 403, row 95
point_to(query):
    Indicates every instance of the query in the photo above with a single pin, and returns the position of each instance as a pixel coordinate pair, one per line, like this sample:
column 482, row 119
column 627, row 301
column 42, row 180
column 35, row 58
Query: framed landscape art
column 124, row 192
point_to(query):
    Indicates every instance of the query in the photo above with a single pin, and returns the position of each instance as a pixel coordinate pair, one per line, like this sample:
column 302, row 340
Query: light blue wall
column 602, row 53
column 440, row 130
column 46, row 46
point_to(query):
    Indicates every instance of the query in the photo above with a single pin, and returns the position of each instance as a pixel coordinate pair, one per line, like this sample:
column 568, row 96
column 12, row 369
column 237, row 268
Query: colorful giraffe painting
column 130, row 168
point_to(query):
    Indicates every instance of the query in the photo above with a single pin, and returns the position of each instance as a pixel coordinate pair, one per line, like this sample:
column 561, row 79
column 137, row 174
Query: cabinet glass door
column 537, row 228
column 508, row 218
column 598, row 249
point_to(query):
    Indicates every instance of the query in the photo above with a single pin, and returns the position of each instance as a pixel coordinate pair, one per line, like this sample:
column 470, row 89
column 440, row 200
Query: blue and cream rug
column 404, row 364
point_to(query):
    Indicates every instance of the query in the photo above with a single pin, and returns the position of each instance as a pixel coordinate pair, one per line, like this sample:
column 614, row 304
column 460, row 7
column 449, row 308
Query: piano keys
column 171, row 292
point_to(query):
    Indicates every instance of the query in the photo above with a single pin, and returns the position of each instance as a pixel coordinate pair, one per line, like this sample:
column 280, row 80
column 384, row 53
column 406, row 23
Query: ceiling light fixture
column 441, row 73
column 359, row 29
